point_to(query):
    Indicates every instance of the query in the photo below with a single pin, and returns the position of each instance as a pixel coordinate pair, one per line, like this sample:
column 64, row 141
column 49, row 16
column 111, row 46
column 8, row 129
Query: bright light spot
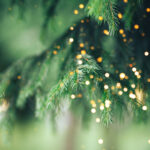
column 73, row 96
column 107, row 75
column 93, row 110
column 146, row 53
column 144, row 108
column 97, row 120
column 80, row 62
column 131, row 95
column 100, row 141
column 87, row 82
column 106, row 86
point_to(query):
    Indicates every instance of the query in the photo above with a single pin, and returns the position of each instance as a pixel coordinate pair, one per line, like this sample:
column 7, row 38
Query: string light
column 100, row 141
column 107, row 75
column 120, row 16
column 146, row 53
column 144, row 108
column 73, row 96
column 99, row 59
column 133, row 85
column 81, row 6
column 80, row 62
column 71, row 40
column 121, row 31
column 136, row 26
column 87, row 82
column 76, row 12
column 102, row 106
column 81, row 45
column 71, row 28
column 83, row 52
column 133, row 69
column 106, row 32
column 106, row 86
column 120, row 93
column 93, row 110
column 132, row 96
column 97, row 120
column 91, row 76
column 125, row 89
column 100, row 18
column 148, row 10
column 122, row 76
column 107, row 103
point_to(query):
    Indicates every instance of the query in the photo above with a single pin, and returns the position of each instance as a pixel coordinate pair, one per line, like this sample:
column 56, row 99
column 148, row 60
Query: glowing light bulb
column 93, row 110
column 100, row 18
column 87, row 82
column 120, row 16
column 132, row 96
column 76, row 12
column 81, row 6
column 73, row 96
column 106, row 86
column 80, row 62
column 144, row 108
column 133, row 69
column 136, row 26
column 120, row 93
column 107, row 103
column 106, row 32
column 146, row 53
column 99, row 59
column 71, row 40
column 102, row 106
column 107, row 75
column 100, row 141
column 97, row 120
column 122, row 76
column 125, row 89
column 133, row 85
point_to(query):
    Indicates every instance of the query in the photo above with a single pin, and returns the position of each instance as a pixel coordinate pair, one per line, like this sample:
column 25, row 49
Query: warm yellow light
column 118, row 85
column 79, row 56
column 97, row 120
column 121, row 31
column 148, row 9
column 81, row 45
column 120, row 16
column 76, row 12
column 136, row 26
column 71, row 28
column 122, row 75
column 100, row 18
column 99, row 59
column 54, row 52
column 91, row 76
column 125, row 89
column 83, row 52
column 81, row 6
column 120, row 93
column 125, row 1
column 106, row 32
column 71, row 73
column 133, row 85
column 133, row 69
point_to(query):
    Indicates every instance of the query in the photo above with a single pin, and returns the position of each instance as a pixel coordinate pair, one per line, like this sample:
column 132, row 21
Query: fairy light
column 71, row 73
column 146, row 53
column 71, row 40
column 112, row 87
column 92, row 47
column 106, row 32
column 81, row 6
column 87, row 82
column 122, row 76
column 101, row 106
column 132, row 96
column 83, row 52
column 100, row 141
column 71, row 28
column 73, row 96
column 91, row 76
column 107, row 103
column 107, row 75
column 125, row 89
column 148, row 10
column 133, row 86
column 136, row 26
column 120, row 92
column 81, row 45
column 149, row 141
column 98, row 120
column 76, row 12
column 144, row 107
column 55, row 52
column 136, row 73
column 106, row 86
column 93, row 110
column 79, row 56
column 125, row 1
column 100, row 18
column 121, row 31
column 80, row 62
column 120, row 16
column 99, row 59
column 133, row 69
column 118, row 85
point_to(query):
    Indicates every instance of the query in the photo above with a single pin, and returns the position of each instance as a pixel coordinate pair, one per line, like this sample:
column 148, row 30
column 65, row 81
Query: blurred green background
column 23, row 36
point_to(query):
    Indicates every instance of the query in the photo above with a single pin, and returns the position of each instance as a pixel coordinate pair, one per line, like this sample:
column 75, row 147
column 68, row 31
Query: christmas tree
column 95, row 61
